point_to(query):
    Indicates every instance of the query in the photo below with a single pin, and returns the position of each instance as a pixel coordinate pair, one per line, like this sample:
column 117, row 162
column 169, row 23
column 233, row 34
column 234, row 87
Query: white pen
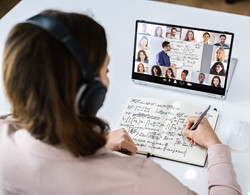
column 194, row 126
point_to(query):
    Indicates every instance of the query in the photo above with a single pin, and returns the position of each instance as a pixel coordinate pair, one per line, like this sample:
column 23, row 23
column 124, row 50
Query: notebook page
column 172, row 144
column 143, row 119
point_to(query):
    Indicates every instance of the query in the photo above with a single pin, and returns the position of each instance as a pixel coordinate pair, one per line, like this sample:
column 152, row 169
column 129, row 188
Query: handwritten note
column 156, row 127
column 186, row 54
column 144, row 120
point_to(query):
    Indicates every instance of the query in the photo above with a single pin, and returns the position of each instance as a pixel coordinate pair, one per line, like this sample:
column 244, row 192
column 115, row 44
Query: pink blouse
column 31, row 167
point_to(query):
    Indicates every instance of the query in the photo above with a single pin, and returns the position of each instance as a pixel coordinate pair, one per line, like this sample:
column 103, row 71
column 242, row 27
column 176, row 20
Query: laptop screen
column 184, row 57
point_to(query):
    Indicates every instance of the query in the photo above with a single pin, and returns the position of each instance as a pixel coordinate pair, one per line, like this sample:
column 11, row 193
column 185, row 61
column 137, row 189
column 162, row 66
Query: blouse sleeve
column 221, row 176
column 153, row 179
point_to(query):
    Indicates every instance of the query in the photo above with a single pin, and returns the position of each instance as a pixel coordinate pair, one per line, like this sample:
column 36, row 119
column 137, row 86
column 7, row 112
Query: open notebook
column 156, row 128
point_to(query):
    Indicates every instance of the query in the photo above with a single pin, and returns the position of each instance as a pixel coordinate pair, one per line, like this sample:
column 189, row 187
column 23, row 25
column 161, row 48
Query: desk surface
column 118, row 17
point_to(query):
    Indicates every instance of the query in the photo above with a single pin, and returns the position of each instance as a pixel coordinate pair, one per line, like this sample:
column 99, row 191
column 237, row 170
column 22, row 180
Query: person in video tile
column 143, row 43
column 158, row 32
column 162, row 58
column 173, row 34
column 190, row 36
column 141, row 68
column 206, row 37
column 201, row 79
column 156, row 71
column 220, row 55
column 184, row 75
column 144, row 30
column 218, row 69
column 170, row 73
column 222, row 40
column 142, row 57
column 216, row 82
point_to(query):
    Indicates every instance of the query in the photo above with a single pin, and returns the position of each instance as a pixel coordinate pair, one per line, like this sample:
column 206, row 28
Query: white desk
column 118, row 17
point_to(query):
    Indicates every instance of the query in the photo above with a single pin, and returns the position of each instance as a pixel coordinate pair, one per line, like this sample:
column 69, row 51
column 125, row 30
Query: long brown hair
column 144, row 53
column 186, row 37
column 41, row 79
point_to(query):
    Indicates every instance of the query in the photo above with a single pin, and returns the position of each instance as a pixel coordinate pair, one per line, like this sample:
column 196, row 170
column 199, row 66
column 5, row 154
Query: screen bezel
column 178, row 83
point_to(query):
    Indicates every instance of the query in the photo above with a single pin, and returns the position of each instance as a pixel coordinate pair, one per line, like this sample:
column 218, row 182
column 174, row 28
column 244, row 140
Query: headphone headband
column 92, row 92
column 61, row 33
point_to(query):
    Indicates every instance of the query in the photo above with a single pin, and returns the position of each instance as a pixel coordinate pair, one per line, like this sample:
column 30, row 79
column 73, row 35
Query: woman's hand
column 119, row 140
column 204, row 135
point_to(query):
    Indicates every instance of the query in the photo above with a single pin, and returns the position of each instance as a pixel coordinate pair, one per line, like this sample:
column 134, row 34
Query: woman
column 47, row 147
column 220, row 54
column 142, row 57
column 216, row 82
column 156, row 71
column 170, row 73
column 206, row 37
column 184, row 75
column 189, row 36
column 143, row 43
column 218, row 69
column 158, row 32
column 140, row 68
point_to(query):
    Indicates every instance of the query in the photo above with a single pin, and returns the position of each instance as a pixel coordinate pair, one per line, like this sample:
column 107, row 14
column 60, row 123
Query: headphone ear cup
column 90, row 97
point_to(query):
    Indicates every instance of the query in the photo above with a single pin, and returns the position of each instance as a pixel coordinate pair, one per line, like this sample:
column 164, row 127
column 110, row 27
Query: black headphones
column 91, row 94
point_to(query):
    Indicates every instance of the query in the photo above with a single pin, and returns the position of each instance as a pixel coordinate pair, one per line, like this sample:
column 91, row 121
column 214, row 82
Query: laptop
column 183, row 58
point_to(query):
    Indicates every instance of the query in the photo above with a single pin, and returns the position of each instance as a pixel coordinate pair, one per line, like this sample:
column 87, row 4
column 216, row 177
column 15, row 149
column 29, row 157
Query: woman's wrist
column 213, row 142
